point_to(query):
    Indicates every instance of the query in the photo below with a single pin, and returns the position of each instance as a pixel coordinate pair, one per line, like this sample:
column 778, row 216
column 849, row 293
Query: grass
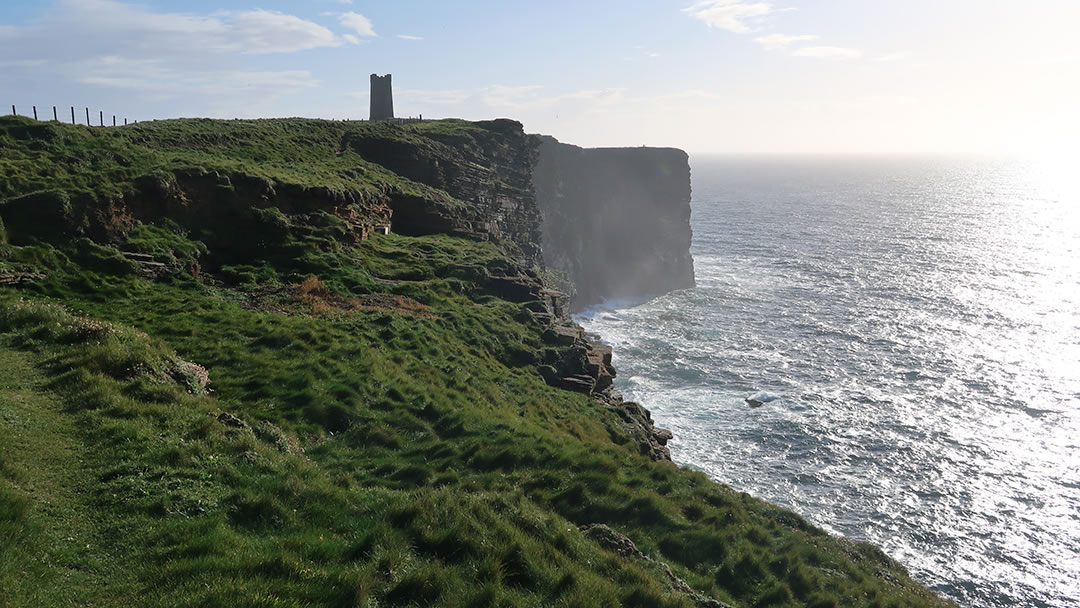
column 374, row 431
column 106, row 161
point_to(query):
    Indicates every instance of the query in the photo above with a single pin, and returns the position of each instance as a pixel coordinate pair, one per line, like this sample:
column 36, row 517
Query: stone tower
column 382, row 97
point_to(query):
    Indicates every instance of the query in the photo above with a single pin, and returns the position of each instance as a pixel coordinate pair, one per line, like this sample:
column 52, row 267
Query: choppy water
column 920, row 323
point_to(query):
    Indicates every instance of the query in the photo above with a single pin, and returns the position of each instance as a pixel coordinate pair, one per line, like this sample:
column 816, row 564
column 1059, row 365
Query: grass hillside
column 269, row 413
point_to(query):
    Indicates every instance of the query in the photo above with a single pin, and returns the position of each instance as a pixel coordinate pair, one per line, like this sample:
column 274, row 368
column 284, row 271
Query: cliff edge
column 616, row 221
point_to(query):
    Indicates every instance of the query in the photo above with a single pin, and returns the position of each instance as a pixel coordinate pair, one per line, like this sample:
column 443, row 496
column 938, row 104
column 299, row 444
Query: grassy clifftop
column 304, row 152
column 214, row 391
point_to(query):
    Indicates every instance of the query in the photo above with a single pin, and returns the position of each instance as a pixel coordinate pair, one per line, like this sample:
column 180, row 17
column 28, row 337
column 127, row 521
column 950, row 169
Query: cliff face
column 615, row 220
column 484, row 168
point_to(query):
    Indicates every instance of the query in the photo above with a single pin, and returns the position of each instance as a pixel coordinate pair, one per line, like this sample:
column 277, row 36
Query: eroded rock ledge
column 578, row 361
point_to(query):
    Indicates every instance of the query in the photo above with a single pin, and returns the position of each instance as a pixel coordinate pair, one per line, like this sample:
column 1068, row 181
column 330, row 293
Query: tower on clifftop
column 382, row 98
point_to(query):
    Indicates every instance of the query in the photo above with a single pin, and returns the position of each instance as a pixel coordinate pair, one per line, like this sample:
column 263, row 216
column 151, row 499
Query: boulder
column 663, row 436
column 578, row 384
column 612, row 541
column 231, row 421
column 563, row 334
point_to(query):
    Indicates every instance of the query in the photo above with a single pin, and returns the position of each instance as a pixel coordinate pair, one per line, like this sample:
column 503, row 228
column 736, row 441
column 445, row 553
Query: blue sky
column 730, row 76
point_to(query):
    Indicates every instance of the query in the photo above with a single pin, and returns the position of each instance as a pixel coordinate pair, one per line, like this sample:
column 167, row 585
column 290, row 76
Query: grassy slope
column 47, row 156
column 389, row 455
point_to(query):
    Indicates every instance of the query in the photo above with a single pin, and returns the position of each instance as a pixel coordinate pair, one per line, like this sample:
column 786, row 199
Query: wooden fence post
column 101, row 117
column 114, row 120
column 35, row 112
column 72, row 114
column 55, row 119
column 88, row 117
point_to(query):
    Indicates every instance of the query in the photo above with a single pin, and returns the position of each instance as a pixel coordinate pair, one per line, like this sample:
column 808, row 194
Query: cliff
column 221, row 384
column 616, row 220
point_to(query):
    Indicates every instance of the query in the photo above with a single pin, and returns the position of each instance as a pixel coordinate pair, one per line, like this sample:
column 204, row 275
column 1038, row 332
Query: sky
column 708, row 76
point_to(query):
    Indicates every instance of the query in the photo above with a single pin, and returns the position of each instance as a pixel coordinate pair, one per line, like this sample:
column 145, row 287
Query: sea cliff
column 616, row 220
column 222, row 384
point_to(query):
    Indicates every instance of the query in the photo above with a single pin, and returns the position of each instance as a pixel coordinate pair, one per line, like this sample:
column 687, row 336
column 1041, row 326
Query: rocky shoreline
column 578, row 361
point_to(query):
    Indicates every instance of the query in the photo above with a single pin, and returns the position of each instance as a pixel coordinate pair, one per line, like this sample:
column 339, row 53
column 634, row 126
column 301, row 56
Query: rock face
column 577, row 361
column 616, row 221
column 487, row 171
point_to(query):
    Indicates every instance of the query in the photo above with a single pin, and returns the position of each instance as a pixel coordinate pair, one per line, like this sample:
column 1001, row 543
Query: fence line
column 101, row 118
column 56, row 116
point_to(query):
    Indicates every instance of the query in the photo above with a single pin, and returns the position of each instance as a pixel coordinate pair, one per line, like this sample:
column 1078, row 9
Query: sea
column 911, row 328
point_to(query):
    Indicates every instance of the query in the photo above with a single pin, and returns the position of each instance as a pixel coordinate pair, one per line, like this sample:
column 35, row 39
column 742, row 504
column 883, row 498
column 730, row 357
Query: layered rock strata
column 487, row 171
column 573, row 359
column 616, row 221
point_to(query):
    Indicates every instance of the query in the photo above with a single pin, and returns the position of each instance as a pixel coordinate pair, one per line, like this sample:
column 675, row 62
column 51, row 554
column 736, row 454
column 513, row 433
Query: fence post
column 55, row 119
column 125, row 122
column 101, row 117
column 88, row 117
column 13, row 110
column 72, row 114
column 35, row 112
column 114, row 120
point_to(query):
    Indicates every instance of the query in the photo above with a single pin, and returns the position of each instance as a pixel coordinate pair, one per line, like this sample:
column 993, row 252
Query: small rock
column 612, row 540
column 231, row 421
column 663, row 436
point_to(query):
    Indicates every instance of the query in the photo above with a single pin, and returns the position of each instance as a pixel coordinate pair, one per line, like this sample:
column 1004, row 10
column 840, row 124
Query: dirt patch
column 385, row 301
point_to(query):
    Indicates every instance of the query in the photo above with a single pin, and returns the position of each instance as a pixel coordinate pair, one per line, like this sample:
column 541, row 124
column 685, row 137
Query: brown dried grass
column 313, row 286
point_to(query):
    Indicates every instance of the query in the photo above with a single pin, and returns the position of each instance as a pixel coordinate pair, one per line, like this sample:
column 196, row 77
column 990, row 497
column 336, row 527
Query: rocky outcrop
column 472, row 180
column 616, row 221
column 577, row 361
column 9, row 278
column 486, row 170
column 622, row 546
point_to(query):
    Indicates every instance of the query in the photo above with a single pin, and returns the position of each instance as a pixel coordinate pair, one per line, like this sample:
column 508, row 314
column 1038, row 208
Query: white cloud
column 408, row 37
column 730, row 15
column 166, row 82
column 828, row 51
column 779, row 41
column 261, row 31
column 893, row 57
column 351, row 39
column 157, row 56
column 357, row 23
column 78, row 28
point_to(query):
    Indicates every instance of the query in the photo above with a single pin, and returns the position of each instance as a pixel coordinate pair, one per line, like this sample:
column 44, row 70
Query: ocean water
column 915, row 328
